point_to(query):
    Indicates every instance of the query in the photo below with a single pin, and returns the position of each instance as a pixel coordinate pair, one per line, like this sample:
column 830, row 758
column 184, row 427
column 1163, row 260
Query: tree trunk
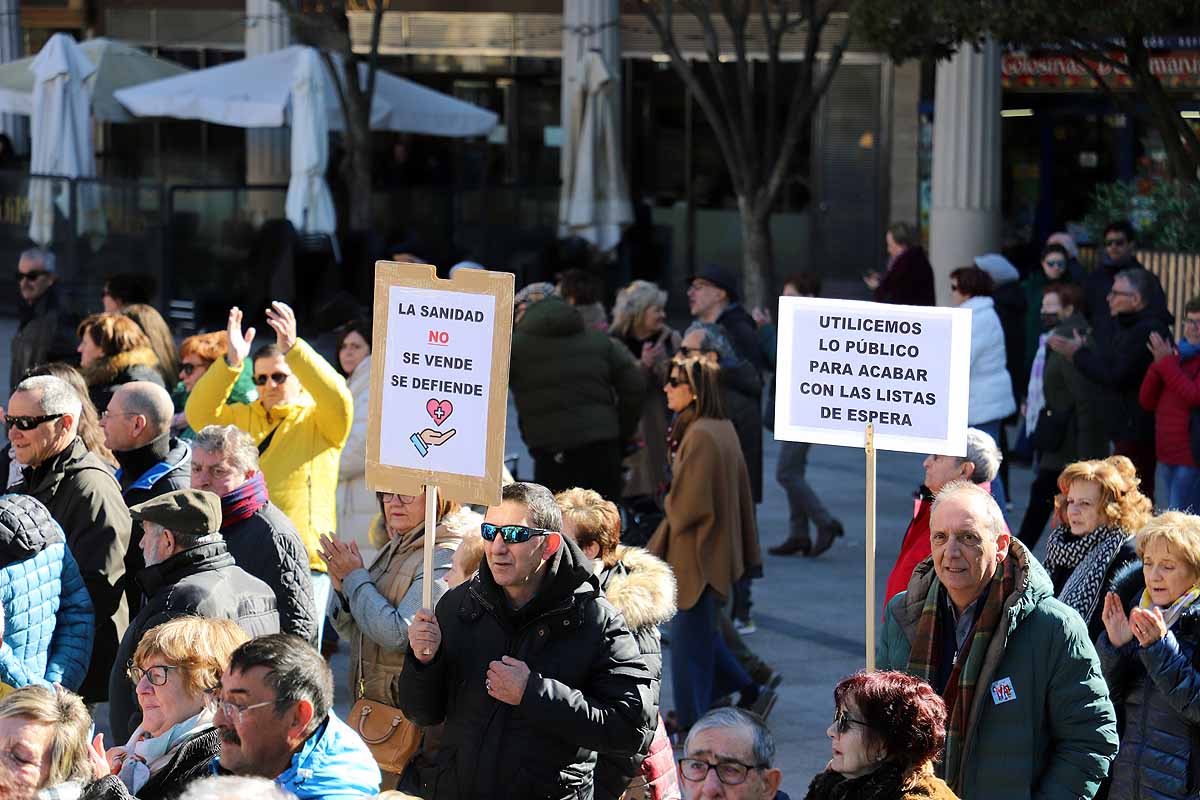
column 357, row 173
column 758, row 254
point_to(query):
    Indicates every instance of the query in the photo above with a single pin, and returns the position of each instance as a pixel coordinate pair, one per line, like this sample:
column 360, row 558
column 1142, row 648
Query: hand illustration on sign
column 430, row 438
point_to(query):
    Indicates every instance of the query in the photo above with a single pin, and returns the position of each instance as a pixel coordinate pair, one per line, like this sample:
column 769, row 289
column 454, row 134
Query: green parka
column 1056, row 739
column 573, row 385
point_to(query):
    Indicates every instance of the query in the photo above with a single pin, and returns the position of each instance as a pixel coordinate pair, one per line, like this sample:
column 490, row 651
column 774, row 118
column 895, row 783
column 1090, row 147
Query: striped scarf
column 926, row 654
column 244, row 501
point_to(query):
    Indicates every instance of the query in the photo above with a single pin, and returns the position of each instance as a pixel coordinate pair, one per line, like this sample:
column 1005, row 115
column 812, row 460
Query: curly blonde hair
column 596, row 520
column 1121, row 503
column 632, row 303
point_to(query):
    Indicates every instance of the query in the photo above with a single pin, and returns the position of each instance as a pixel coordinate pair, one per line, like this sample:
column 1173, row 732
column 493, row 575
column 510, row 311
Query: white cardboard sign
column 844, row 363
column 439, row 381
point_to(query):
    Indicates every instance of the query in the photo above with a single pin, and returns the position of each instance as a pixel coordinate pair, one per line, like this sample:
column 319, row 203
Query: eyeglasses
column 688, row 352
column 232, row 712
column 1191, row 323
column 156, row 674
column 730, row 773
column 278, row 378
column 389, row 497
column 28, row 423
column 1115, row 293
column 105, row 414
column 188, row 369
column 1115, row 242
column 842, row 721
column 32, row 275
column 1057, row 263
column 675, row 383
column 511, row 534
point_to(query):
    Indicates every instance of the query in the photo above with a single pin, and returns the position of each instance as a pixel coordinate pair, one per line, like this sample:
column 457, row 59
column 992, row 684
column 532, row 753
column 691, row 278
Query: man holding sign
column 481, row 666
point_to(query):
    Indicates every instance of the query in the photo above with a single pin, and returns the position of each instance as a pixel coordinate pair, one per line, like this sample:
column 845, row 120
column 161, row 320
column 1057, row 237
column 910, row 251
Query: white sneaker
column 744, row 627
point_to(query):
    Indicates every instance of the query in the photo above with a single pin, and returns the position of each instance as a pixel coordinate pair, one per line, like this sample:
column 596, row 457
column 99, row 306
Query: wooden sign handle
column 870, row 530
column 431, row 495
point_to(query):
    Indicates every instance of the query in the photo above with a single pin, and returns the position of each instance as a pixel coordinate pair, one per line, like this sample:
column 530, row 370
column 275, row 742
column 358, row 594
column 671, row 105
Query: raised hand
column 1115, row 621
column 1161, row 348
column 424, row 636
column 238, row 347
column 1148, row 625
column 282, row 320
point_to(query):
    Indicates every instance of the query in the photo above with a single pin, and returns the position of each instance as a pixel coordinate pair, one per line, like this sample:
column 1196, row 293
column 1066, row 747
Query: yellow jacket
column 301, row 463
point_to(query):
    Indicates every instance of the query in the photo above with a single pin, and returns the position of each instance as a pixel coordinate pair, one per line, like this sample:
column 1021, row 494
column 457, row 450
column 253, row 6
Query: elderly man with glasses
column 729, row 754
column 274, row 709
column 1118, row 254
column 532, row 671
column 188, row 572
column 45, row 331
column 299, row 424
column 84, row 498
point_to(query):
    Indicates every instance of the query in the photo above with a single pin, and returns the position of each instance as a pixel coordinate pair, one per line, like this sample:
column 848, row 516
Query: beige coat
column 709, row 536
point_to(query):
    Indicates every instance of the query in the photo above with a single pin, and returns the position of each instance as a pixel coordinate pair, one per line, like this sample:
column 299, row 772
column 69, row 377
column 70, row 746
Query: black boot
column 825, row 537
column 791, row 546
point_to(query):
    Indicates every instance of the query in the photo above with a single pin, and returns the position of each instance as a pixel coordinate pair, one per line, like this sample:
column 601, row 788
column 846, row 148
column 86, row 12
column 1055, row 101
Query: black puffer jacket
column 1120, row 367
column 1157, row 694
column 573, row 385
column 642, row 588
column 267, row 545
column 191, row 762
column 84, row 498
column 743, row 335
column 589, row 689
column 202, row 580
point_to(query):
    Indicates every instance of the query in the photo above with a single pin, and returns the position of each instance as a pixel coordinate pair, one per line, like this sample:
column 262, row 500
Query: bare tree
column 324, row 25
column 756, row 141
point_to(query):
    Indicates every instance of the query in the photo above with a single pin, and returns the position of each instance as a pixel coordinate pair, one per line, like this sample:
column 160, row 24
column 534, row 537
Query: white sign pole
column 431, row 504
column 870, row 493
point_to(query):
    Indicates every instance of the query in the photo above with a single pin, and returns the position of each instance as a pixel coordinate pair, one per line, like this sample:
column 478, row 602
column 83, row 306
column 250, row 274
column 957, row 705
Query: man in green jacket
column 578, row 394
column 1028, row 711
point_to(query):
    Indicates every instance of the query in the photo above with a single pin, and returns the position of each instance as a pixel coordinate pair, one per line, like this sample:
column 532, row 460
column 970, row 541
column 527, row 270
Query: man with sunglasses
column 299, row 424
column 1119, row 253
column 85, row 500
column 532, row 671
column 188, row 571
column 45, row 330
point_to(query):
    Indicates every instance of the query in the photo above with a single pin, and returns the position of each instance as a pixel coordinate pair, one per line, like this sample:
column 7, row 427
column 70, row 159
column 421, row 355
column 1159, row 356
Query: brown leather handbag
column 392, row 739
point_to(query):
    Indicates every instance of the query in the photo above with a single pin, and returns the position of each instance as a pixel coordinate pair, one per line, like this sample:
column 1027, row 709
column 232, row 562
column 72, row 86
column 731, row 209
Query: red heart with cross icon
column 439, row 410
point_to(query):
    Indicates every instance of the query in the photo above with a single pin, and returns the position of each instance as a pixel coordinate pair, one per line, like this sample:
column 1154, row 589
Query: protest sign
column 844, row 363
column 439, row 386
column 874, row 376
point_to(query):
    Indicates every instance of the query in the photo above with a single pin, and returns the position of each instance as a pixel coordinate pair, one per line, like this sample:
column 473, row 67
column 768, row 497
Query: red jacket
column 915, row 548
column 1170, row 391
column 658, row 771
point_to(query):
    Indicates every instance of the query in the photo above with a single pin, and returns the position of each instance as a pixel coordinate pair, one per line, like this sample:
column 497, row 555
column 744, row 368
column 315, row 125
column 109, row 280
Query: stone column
column 268, row 151
column 965, row 210
column 15, row 126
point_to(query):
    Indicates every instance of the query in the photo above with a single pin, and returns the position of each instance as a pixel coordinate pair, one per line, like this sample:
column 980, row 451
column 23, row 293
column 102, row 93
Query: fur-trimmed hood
column 641, row 587
column 452, row 527
column 105, row 371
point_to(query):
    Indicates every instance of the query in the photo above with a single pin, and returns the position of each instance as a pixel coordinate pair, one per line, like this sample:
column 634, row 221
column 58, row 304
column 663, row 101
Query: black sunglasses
column 511, row 534
column 32, row 275
column 842, row 721
column 278, row 377
column 28, row 423
column 188, row 369
column 1114, row 242
column 675, row 383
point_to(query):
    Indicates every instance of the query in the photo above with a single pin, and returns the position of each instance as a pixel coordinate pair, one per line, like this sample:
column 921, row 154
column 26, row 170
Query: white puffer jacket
column 991, row 395
column 356, row 503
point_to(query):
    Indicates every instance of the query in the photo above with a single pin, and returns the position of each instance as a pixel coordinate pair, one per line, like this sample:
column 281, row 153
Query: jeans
column 702, row 667
column 1178, row 487
column 998, row 494
column 803, row 502
column 322, row 587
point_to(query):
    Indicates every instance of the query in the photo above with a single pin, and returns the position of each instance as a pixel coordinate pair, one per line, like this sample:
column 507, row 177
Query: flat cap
column 720, row 277
column 185, row 510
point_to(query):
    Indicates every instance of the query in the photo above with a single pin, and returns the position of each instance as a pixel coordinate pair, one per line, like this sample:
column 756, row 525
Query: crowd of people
column 188, row 533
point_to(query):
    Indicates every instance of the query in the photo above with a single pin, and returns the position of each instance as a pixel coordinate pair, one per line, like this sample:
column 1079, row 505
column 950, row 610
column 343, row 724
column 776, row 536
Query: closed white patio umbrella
column 309, row 203
column 62, row 138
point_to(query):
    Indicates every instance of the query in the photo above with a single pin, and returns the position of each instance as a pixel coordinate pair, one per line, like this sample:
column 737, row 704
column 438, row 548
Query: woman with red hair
column 888, row 728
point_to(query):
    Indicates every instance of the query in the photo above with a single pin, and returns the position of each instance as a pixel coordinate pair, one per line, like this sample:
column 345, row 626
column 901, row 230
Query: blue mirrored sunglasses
column 511, row 534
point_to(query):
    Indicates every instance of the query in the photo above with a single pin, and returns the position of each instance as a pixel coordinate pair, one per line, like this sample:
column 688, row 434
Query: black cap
column 720, row 277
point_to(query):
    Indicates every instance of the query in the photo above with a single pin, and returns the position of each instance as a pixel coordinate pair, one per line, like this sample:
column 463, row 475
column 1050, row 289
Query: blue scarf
column 244, row 501
column 1187, row 350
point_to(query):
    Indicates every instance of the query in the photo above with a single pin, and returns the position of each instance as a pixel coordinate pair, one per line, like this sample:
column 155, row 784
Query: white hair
column 55, row 396
column 984, row 454
column 994, row 517
column 235, row 787
column 40, row 255
column 758, row 735
column 231, row 443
